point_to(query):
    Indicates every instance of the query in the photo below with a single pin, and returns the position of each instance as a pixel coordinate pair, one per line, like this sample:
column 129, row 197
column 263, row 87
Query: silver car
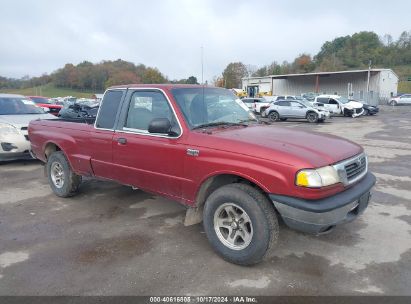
column 401, row 100
column 15, row 114
column 284, row 109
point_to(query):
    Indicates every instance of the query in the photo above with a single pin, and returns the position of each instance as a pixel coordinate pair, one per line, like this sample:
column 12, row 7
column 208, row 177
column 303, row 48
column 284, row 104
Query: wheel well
column 215, row 182
column 50, row 148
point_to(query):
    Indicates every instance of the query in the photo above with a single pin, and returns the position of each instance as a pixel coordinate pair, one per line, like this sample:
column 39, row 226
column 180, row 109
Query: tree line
column 87, row 76
column 343, row 53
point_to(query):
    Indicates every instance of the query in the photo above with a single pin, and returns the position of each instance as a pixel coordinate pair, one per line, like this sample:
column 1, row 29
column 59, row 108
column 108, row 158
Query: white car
column 15, row 114
column 401, row 100
column 257, row 105
column 339, row 105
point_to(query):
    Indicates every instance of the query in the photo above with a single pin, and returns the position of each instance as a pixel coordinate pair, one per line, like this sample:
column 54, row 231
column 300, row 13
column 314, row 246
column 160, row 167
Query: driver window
column 146, row 106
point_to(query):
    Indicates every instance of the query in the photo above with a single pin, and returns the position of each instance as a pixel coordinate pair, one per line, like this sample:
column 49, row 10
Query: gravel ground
column 112, row 240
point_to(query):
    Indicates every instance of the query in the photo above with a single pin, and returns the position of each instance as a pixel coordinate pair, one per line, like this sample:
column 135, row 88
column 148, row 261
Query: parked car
column 339, row 105
column 46, row 104
column 16, row 112
column 401, row 100
column 256, row 105
column 200, row 146
column 370, row 110
column 284, row 109
column 309, row 96
column 272, row 99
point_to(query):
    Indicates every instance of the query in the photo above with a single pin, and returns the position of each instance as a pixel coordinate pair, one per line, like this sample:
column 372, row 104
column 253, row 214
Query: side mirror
column 160, row 125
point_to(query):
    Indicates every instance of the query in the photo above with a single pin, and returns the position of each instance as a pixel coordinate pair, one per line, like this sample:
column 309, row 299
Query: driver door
column 298, row 110
column 152, row 162
column 334, row 106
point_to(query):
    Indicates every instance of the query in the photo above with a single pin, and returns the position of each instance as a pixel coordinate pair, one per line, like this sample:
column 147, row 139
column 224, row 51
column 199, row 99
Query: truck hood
column 20, row 121
column 352, row 105
column 299, row 148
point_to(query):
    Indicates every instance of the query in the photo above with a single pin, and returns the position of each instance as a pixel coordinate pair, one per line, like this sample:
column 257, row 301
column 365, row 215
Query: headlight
column 316, row 178
column 7, row 129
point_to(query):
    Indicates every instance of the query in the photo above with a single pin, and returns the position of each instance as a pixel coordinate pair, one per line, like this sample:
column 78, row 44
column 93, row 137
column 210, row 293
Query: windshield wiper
column 220, row 123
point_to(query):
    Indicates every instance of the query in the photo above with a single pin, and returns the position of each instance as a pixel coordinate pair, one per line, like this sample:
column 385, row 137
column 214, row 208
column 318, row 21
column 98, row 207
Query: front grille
column 54, row 110
column 356, row 167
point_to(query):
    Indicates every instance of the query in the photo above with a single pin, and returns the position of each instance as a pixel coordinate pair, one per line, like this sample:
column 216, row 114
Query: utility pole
column 368, row 80
column 202, row 65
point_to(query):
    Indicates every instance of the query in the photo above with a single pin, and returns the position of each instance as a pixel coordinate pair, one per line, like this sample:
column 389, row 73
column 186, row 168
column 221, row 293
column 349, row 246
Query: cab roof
column 159, row 86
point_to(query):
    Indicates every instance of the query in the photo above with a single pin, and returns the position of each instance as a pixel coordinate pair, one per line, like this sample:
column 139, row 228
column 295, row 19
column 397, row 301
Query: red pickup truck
column 202, row 147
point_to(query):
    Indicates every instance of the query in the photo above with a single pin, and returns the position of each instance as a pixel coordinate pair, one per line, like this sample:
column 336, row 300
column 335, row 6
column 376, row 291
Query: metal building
column 376, row 88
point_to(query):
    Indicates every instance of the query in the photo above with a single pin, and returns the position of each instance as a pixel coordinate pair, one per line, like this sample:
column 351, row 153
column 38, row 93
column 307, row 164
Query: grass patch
column 404, row 87
column 49, row 90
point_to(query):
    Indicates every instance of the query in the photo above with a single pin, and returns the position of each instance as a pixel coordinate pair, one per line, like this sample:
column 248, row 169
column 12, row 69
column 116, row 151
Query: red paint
column 268, row 156
column 54, row 108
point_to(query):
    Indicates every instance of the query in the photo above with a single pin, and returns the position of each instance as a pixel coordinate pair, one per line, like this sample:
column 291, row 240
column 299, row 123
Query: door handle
column 122, row 141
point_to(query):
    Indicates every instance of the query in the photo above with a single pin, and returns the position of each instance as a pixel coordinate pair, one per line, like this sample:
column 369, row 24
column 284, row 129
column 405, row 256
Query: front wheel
column 312, row 117
column 274, row 116
column 393, row 103
column 240, row 223
column 63, row 181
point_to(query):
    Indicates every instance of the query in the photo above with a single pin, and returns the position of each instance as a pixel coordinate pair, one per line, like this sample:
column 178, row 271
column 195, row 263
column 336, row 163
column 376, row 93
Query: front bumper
column 317, row 216
column 14, row 146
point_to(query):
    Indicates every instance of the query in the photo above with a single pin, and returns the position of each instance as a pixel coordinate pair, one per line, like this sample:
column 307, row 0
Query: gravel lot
column 112, row 240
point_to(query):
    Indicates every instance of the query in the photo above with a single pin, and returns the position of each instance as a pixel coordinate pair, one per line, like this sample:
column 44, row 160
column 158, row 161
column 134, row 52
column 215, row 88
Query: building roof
column 321, row 73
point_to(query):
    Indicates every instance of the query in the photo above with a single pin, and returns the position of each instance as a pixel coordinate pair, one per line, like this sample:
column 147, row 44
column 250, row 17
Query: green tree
column 233, row 73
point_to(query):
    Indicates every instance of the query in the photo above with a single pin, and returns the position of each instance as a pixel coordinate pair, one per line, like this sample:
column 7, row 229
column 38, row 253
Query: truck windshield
column 18, row 106
column 343, row 100
column 211, row 107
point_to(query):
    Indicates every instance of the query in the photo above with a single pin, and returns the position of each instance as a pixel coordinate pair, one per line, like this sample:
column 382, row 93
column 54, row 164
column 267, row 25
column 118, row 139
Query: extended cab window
column 108, row 109
column 146, row 106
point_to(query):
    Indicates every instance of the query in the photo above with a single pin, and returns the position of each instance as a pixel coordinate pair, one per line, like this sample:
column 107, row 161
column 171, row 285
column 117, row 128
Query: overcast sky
column 39, row 36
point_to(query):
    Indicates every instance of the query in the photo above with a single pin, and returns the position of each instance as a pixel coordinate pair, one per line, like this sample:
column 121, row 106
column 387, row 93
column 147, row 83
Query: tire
column 63, row 181
column 393, row 103
column 283, row 119
column 260, row 224
column 312, row 117
column 366, row 112
column 274, row 116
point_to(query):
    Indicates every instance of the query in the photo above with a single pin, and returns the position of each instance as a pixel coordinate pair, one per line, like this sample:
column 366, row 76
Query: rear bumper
column 317, row 216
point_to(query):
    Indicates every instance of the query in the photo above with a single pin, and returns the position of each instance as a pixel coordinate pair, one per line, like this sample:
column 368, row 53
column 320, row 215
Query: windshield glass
column 18, row 106
column 203, row 106
column 343, row 99
column 40, row 100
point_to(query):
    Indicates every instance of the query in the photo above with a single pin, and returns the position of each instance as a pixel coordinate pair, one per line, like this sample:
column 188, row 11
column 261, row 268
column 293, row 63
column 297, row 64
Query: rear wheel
column 393, row 103
column 240, row 223
column 274, row 116
column 312, row 117
column 63, row 181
